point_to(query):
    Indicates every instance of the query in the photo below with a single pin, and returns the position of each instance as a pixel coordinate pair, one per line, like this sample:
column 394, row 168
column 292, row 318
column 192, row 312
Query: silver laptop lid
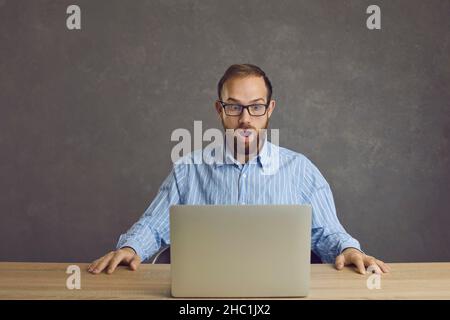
column 240, row 251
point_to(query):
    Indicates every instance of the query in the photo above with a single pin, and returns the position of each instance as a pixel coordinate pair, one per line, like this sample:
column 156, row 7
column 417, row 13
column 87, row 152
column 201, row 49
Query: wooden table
column 48, row 281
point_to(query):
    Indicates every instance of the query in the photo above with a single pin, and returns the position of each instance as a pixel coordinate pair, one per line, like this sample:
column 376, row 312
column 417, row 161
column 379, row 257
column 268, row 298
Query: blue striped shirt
column 296, row 180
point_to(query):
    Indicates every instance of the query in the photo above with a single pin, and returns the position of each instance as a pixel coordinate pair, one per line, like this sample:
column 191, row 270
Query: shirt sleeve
column 328, row 236
column 148, row 233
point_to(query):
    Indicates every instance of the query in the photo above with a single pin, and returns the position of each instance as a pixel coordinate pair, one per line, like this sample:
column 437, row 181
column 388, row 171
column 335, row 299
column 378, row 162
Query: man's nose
column 245, row 116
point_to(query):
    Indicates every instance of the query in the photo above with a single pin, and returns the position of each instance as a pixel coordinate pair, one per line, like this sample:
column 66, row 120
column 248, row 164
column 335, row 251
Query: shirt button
column 244, row 176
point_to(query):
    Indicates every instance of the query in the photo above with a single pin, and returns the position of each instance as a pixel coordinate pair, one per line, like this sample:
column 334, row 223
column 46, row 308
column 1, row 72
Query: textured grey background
column 86, row 116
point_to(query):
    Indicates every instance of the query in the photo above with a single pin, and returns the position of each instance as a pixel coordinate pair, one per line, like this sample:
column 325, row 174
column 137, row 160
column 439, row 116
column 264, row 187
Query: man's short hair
column 244, row 70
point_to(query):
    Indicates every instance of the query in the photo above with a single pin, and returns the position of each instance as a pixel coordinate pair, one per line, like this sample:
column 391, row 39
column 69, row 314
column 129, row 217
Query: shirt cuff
column 135, row 246
column 350, row 243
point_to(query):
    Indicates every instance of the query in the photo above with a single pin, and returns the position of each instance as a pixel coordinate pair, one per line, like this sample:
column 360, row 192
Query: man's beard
column 243, row 148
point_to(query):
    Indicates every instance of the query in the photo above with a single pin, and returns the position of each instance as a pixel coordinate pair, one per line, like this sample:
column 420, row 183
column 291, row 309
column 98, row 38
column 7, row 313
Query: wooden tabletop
column 48, row 281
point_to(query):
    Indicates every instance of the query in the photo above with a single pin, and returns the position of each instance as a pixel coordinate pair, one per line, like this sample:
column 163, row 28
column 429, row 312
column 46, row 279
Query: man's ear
column 271, row 108
column 219, row 108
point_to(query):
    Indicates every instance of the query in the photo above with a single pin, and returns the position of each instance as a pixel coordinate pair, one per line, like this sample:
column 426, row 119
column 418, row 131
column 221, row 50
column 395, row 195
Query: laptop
column 240, row 251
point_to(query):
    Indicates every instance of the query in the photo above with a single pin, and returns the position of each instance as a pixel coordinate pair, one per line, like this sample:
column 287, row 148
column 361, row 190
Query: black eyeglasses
column 235, row 109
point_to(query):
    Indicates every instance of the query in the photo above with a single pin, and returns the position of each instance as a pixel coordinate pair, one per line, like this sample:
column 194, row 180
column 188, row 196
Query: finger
column 93, row 265
column 135, row 262
column 371, row 264
column 116, row 259
column 340, row 261
column 374, row 268
column 103, row 263
column 384, row 266
column 359, row 263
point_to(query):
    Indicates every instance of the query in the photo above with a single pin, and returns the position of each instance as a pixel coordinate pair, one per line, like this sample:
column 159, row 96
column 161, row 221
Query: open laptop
column 240, row 251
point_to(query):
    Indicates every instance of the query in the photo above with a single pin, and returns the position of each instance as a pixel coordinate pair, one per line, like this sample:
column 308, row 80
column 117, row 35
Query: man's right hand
column 110, row 261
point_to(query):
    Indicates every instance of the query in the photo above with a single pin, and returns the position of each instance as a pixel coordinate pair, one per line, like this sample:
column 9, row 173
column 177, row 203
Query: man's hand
column 110, row 261
column 352, row 256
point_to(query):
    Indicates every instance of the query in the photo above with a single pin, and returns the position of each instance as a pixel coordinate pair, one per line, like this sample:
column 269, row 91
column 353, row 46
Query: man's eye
column 257, row 107
column 235, row 107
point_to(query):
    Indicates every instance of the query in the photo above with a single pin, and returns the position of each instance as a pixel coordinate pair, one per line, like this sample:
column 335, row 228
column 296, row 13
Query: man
column 245, row 106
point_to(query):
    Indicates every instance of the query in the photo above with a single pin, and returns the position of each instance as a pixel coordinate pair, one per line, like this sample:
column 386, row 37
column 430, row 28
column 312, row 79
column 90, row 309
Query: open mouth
column 245, row 132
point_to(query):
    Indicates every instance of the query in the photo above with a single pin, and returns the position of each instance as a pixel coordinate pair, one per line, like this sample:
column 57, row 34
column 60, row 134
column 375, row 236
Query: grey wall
column 86, row 116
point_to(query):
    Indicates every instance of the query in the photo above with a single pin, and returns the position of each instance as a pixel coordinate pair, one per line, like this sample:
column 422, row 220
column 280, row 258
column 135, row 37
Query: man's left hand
column 352, row 256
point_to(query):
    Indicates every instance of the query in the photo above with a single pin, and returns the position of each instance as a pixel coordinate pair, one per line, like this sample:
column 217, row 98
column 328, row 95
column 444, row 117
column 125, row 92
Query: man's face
column 245, row 91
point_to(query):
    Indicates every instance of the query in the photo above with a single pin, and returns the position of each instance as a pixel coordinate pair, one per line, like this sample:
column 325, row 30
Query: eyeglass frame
column 223, row 104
